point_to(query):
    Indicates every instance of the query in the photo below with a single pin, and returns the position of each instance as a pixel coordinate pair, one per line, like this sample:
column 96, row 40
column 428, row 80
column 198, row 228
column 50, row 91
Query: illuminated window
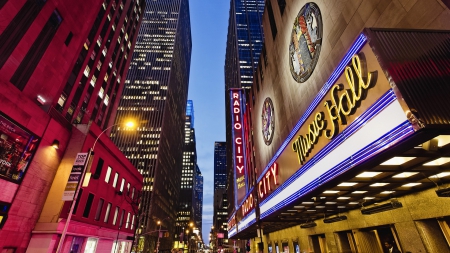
column 122, row 184
column 108, row 209
column 116, row 212
column 108, row 174
column 86, row 71
column 93, row 80
column 128, row 220
column 106, row 101
column 100, row 93
column 116, row 177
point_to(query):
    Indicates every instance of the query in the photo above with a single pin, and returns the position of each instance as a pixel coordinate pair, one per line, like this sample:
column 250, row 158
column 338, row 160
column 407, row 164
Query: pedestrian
column 390, row 247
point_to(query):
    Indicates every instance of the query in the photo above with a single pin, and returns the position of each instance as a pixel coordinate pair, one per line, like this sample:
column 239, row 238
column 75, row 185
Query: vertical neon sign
column 237, row 109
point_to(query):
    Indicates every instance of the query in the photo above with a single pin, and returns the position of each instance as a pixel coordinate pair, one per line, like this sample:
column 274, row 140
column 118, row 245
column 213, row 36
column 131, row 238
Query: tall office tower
column 186, row 202
column 55, row 71
column 155, row 95
column 198, row 199
column 220, row 165
column 244, row 47
column 220, row 217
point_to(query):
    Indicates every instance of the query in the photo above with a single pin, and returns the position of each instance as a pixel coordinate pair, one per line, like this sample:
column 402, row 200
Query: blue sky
column 209, row 24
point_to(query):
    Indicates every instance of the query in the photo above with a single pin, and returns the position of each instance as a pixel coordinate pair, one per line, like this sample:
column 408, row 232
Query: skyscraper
column 185, row 213
column 198, row 199
column 155, row 95
column 220, row 165
column 244, row 46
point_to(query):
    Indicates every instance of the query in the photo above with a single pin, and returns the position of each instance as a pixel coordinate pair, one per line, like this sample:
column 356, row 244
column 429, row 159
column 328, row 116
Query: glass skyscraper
column 244, row 42
column 155, row 96
column 220, row 165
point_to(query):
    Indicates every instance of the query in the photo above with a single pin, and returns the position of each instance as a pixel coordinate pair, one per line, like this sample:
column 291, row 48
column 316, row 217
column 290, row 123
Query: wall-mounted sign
column 268, row 121
column 248, row 205
column 342, row 101
column 356, row 89
column 231, row 223
column 75, row 176
column 240, row 173
column 269, row 182
column 17, row 147
column 306, row 41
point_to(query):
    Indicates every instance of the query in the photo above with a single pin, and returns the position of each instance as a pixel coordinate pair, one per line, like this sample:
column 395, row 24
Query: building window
column 17, row 28
column 108, row 209
column 128, row 220
column 86, row 71
column 132, row 222
column 98, row 213
column 108, row 174
column 68, row 39
column 87, row 207
column 34, row 55
column 121, row 218
column 122, row 184
column 17, row 147
column 116, row 177
column 98, row 169
column 116, row 212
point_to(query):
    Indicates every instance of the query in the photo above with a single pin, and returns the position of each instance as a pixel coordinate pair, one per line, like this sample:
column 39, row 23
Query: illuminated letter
column 237, row 126
column 238, row 140
column 236, row 95
column 274, row 170
column 259, row 189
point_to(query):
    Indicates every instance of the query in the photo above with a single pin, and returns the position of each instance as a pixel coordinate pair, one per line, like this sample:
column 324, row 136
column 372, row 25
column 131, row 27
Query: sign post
column 73, row 188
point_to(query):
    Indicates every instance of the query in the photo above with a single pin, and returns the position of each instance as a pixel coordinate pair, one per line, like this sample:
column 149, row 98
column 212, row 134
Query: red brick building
column 61, row 63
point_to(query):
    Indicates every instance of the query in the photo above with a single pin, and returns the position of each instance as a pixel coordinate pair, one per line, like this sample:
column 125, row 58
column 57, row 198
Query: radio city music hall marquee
column 355, row 90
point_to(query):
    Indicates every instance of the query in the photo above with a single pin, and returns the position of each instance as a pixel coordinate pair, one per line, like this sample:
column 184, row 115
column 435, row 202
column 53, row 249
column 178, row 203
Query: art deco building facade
column 55, row 72
column 155, row 95
column 350, row 130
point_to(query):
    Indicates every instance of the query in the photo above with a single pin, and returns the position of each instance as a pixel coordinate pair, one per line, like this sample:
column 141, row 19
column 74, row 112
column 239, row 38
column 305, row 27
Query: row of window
column 118, row 217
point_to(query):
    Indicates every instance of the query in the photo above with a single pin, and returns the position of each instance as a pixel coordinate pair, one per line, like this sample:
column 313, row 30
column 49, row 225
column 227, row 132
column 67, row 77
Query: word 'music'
column 342, row 103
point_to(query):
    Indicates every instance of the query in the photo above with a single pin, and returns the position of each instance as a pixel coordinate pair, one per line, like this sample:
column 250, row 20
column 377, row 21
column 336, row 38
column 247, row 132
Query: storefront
column 356, row 154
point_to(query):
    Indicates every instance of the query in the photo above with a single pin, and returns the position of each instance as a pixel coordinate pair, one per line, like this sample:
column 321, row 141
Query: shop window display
column 17, row 147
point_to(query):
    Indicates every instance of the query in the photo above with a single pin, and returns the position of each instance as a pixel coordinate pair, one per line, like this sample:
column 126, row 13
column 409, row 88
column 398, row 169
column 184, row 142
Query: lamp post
column 77, row 190
column 159, row 235
column 187, row 240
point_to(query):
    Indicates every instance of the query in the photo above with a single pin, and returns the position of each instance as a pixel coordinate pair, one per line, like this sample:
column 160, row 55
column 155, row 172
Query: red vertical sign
column 237, row 109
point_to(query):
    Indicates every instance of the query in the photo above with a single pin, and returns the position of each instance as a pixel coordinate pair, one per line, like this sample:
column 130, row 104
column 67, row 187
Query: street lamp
column 159, row 234
column 82, row 177
column 187, row 240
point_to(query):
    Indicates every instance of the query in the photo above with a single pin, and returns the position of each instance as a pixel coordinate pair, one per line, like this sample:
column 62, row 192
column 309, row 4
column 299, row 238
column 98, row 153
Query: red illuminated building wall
column 61, row 62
